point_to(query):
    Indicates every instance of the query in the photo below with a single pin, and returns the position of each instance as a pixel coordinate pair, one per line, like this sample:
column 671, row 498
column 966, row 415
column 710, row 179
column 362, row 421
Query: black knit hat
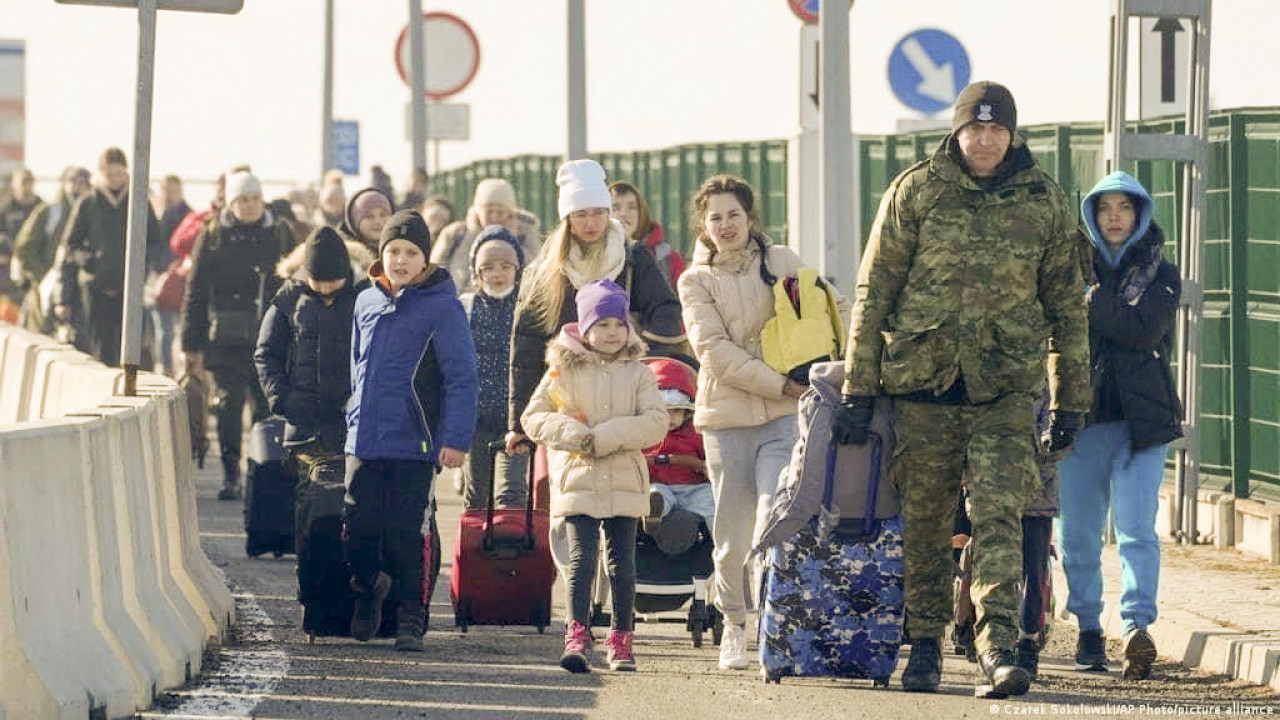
column 407, row 225
column 985, row 101
column 326, row 256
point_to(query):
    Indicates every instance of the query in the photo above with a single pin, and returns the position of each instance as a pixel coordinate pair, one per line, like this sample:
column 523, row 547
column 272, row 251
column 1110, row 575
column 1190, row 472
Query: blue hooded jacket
column 413, row 372
column 1117, row 182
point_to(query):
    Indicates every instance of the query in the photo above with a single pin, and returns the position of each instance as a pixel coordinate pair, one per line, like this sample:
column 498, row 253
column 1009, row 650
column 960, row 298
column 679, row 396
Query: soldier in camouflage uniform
column 971, row 266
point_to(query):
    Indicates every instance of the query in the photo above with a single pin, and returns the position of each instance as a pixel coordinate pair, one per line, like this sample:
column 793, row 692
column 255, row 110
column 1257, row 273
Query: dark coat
column 232, row 281
column 1129, row 347
column 653, row 305
column 413, row 372
column 304, row 361
column 491, row 321
column 95, row 237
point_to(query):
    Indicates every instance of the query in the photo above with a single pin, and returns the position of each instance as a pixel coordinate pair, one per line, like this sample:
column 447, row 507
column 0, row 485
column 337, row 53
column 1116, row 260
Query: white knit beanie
column 494, row 191
column 582, row 187
column 242, row 183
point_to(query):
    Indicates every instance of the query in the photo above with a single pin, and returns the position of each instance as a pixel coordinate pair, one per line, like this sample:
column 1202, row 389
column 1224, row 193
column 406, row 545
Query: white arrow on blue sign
column 927, row 70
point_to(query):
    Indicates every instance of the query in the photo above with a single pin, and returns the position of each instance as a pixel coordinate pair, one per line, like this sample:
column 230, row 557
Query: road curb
column 1183, row 636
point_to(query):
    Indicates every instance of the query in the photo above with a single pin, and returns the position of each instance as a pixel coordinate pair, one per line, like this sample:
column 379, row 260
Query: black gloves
column 1063, row 427
column 853, row 420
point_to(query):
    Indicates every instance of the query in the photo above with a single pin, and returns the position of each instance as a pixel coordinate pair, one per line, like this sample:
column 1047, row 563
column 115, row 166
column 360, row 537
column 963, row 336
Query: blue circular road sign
column 927, row 70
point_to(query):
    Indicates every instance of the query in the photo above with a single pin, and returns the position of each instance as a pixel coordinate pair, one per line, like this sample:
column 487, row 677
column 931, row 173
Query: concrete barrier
column 16, row 366
column 105, row 596
column 56, row 622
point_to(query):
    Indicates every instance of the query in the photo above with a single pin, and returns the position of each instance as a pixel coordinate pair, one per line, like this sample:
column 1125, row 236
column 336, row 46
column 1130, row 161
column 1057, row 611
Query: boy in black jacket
column 303, row 357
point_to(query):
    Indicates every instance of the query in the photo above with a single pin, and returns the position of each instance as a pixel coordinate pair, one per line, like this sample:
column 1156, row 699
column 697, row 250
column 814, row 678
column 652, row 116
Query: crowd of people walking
column 395, row 340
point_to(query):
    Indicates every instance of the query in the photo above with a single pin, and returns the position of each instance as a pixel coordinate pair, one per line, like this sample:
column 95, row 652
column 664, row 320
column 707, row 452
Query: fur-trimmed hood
column 569, row 349
column 290, row 266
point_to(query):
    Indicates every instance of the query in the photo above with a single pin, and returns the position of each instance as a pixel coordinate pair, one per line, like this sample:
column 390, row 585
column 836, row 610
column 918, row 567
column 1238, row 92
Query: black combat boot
column 1003, row 677
column 924, row 668
column 230, row 483
column 1091, row 651
column 409, row 628
column 1026, row 655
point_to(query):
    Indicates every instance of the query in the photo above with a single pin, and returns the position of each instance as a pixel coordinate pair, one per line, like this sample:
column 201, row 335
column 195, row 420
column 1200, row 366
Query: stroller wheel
column 695, row 630
column 716, row 622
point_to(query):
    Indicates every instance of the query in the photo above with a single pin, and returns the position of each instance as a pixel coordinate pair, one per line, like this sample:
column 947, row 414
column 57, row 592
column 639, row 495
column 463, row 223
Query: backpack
column 805, row 327
column 197, row 390
column 862, row 471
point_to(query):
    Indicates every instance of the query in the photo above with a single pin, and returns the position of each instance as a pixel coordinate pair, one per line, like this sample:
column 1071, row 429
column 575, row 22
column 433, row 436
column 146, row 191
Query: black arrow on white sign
column 1167, row 28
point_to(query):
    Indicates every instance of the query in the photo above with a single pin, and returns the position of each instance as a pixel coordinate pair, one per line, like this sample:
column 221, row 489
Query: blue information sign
column 346, row 146
column 927, row 70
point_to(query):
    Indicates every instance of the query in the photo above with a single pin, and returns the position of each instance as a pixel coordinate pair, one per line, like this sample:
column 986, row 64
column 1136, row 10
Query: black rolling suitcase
column 324, row 580
column 269, row 492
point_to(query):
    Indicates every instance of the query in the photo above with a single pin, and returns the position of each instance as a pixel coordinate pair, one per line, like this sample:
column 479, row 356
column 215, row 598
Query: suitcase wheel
column 771, row 676
column 311, row 638
column 880, row 682
column 542, row 629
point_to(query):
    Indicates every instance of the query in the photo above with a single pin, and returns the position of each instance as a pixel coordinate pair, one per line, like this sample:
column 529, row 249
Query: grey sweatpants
column 743, row 464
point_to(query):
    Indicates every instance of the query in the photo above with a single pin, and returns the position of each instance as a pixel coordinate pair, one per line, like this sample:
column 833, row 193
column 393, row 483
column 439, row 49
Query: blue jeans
column 743, row 464
column 1102, row 472
column 698, row 499
column 166, row 327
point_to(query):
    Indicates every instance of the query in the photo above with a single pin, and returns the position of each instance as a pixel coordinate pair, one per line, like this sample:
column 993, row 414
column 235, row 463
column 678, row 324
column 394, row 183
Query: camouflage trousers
column 990, row 449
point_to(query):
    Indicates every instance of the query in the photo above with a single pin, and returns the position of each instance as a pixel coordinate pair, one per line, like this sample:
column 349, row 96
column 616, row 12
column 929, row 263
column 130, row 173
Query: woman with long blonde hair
column 587, row 246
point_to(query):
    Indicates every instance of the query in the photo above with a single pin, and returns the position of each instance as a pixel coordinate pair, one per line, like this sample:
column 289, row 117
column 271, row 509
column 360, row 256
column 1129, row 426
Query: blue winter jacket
column 413, row 372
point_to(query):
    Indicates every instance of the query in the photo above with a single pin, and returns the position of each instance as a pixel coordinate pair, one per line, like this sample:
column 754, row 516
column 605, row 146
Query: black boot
column 924, row 668
column 230, row 483
column 409, row 628
column 366, row 617
column 1003, row 677
column 1026, row 655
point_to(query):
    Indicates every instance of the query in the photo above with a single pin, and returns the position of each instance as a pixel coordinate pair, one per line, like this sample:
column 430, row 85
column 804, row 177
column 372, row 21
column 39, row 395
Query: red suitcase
column 502, row 569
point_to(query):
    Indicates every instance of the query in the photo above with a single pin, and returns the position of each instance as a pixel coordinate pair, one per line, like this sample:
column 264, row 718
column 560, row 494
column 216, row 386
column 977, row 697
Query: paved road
column 271, row 672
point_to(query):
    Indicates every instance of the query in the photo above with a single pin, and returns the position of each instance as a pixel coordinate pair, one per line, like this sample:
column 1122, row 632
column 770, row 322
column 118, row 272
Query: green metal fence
column 1240, row 386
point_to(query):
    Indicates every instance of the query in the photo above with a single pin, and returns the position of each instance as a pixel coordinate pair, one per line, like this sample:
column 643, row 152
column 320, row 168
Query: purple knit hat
column 599, row 300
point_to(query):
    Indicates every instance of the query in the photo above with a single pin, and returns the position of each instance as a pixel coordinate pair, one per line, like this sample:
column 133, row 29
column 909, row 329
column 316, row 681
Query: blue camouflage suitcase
column 832, row 600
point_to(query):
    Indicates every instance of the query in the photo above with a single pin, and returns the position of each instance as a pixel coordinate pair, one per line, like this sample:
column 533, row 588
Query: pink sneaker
column 577, row 646
column 619, row 644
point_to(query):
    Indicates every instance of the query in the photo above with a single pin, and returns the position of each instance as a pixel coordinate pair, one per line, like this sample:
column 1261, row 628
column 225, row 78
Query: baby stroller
column 673, row 567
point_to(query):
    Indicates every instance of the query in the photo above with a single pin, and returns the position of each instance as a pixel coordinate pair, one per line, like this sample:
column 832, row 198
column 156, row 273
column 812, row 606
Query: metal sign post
column 577, row 140
column 1190, row 149
column 841, row 246
column 418, row 85
column 139, row 206
column 135, row 252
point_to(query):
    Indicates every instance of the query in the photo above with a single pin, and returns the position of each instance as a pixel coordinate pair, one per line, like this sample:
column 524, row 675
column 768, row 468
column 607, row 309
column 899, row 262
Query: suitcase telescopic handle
column 873, row 486
column 495, row 447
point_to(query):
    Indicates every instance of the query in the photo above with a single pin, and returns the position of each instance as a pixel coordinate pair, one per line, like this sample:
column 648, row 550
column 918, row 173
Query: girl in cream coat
column 595, row 410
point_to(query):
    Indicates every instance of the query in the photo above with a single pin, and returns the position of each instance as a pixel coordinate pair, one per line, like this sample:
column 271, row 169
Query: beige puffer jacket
column 726, row 305
column 614, row 400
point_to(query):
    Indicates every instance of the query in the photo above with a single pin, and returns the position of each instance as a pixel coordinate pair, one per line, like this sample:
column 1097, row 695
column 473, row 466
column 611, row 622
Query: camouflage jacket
column 958, row 279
